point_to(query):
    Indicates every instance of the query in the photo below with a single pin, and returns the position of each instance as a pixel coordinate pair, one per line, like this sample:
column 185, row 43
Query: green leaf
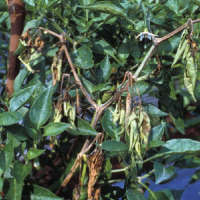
column 20, row 79
column 179, row 52
column 157, row 134
column 86, row 2
column 41, row 108
column 21, row 171
column 139, row 88
column 108, row 126
column 182, row 146
column 34, row 153
column 154, row 111
column 18, row 131
column 30, row 2
column 114, row 146
column 179, row 124
column 108, row 7
column 134, row 195
column 84, row 128
column 10, row 118
column 52, row 51
column 15, row 190
column 103, row 47
column 105, row 68
column 55, row 128
column 21, row 97
column 123, row 51
column 163, row 173
column 32, row 24
column 84, row 57
column 88, row 85
column 173, row 5
column 41, row 193
column 9, row 151
column 164, row 195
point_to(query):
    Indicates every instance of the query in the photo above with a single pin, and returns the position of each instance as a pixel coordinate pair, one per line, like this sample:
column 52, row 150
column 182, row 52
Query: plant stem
column 140, row 178
column 149, row 190
column 120, row 170
column 147, row 57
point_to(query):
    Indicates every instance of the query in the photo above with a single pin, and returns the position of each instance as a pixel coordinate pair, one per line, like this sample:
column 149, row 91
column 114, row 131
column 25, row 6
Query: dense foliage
column 99, row 99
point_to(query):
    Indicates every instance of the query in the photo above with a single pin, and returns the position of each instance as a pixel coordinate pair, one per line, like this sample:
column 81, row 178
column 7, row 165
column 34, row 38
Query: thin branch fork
column 61, row 37
column 158, row 41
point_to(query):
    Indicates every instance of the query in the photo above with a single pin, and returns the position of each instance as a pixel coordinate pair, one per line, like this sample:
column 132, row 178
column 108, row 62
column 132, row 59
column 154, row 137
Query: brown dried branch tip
column 95, row 162
column 16, row 9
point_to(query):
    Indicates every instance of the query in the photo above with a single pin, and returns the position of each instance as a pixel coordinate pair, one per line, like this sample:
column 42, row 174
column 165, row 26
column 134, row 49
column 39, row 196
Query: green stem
column 84, row 169
column 153, row 157
column 149, row 190
column 147, row 57
column 93, row 118
column 120, row 170
column 140, row 178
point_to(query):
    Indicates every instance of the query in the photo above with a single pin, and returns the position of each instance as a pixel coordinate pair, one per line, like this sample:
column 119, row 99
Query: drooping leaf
column 179, row 52
column 41, row 193
column 21, row 97
column 190, row 74
column 41, row 109
column 114, row 146
column 55, row 128
column 163, row 173
column 10, row 118
column 34, row 153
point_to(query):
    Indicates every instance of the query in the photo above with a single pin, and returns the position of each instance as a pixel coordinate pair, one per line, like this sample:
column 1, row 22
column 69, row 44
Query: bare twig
column 179, row 29
column 61, row 37
column 51, row 32
column 78, row 81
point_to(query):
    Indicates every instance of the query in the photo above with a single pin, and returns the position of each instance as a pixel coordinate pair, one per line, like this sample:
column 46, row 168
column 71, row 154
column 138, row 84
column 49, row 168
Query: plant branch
column 146, row 59
column 61, row 37
column 86, row 147
column 158, row 41
column 78, row 81
column 179, row 29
